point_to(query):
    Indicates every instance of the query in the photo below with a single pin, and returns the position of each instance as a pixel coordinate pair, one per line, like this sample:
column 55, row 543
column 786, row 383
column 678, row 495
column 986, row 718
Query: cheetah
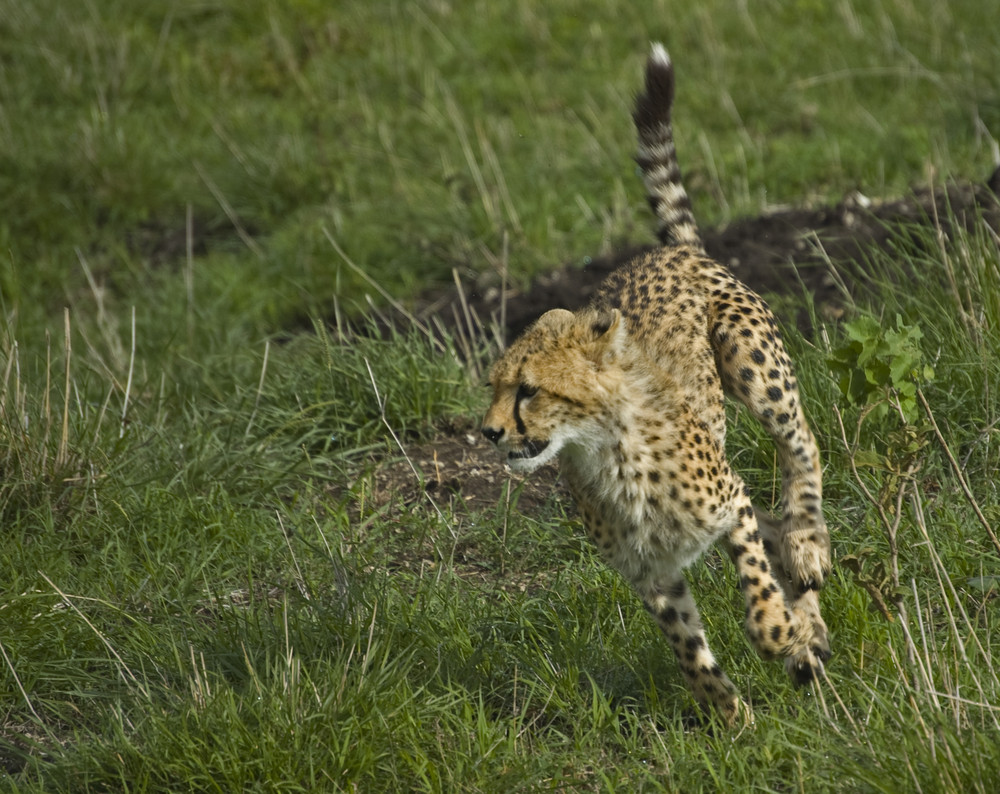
column 628, row 395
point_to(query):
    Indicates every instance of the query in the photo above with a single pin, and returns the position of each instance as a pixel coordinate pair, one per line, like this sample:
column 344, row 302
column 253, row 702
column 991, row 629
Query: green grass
column 200, row 590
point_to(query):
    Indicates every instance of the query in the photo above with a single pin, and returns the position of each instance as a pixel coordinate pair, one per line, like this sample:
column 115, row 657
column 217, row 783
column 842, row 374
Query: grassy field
column 201, row 590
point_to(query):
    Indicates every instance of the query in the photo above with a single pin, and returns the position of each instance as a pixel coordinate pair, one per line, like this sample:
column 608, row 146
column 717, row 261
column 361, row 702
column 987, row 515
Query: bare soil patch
column 458, row 469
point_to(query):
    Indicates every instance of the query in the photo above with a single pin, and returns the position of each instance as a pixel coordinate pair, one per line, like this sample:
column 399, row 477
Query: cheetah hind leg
column 747, row 344
column 804, row 666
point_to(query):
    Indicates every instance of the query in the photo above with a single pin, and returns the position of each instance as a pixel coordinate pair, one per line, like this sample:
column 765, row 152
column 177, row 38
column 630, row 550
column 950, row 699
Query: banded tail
column 657, row 156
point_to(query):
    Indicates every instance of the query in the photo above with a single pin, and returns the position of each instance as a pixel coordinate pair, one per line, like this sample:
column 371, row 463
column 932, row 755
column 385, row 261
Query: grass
column 200, row 588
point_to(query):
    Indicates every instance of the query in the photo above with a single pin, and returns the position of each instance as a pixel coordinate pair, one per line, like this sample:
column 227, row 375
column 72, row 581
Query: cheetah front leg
column 803, row 666
column 670, row 602
column 800, row 543
column 776, row 628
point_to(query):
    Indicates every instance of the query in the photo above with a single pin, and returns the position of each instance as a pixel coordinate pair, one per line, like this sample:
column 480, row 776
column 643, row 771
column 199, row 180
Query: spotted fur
column 628, row 395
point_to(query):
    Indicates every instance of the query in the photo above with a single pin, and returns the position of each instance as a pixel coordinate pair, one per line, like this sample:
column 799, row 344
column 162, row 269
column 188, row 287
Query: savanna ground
column 256, row 257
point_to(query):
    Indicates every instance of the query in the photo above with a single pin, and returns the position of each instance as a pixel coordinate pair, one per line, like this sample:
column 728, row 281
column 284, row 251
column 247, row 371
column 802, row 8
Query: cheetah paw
column 737, row 713
column 805, row 555
column 807, row 666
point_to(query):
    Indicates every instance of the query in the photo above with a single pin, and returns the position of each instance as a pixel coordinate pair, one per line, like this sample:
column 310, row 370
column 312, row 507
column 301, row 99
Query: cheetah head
column 551, row 387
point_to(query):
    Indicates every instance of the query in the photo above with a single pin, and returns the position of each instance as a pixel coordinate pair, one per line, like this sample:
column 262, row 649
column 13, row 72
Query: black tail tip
column 652, row 107
column 659, row 70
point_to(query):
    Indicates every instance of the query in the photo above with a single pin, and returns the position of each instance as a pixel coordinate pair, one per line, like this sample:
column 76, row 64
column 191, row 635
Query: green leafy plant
column 880, row 362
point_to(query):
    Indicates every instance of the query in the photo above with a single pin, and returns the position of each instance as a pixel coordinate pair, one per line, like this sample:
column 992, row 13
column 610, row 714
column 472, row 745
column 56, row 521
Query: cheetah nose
column 492, row 434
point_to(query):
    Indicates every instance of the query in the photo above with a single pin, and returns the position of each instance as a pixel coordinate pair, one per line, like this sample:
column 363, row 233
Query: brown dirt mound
column 786, row 252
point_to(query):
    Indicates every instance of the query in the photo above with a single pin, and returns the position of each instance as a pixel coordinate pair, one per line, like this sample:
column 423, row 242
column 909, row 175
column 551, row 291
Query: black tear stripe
column 518, row 421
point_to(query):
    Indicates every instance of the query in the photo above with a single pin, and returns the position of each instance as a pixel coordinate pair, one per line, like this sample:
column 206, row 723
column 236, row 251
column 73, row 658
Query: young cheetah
column 628, row 395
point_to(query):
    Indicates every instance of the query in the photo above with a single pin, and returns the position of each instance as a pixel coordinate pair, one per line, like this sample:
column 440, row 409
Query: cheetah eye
column 524, row 391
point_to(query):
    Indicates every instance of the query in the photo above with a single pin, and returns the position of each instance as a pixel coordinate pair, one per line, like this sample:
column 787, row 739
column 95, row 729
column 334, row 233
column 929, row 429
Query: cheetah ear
column 609, row 330
column 556, row 315
column 554, row 318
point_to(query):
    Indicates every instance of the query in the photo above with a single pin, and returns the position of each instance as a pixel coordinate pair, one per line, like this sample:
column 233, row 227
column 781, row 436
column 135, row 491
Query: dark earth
column 785, row 254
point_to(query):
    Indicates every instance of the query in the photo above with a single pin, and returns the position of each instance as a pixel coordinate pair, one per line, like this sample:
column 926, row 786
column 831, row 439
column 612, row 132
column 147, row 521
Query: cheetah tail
column 657, row 156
